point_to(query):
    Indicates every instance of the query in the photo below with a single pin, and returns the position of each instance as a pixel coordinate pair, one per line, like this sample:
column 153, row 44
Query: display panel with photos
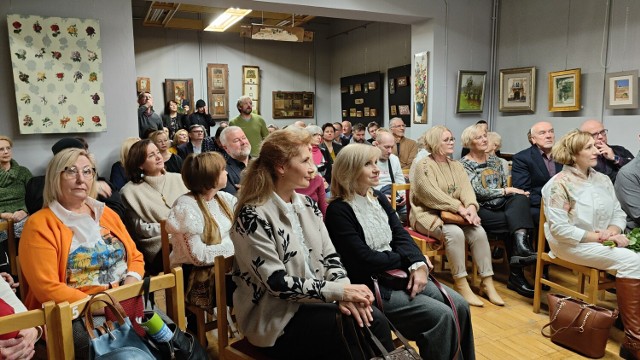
column 293, row 104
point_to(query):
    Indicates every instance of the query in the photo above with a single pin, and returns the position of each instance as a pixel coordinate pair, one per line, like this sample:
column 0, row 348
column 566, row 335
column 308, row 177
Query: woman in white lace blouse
column 200, row 220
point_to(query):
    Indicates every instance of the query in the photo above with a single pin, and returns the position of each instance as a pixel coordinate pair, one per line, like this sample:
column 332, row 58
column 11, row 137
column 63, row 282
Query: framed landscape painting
column 564, row 90
column 621, row 91
column 518, row 89
column 470, row 97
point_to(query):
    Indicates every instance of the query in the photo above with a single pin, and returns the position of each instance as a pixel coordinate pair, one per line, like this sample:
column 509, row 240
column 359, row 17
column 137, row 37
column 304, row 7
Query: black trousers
column 313, row 333
column 514, row 215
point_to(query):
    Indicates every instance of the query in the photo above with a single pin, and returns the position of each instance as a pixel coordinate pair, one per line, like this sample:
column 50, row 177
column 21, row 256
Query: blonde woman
column 494, row 145
column 181, row 137
column 441, row 184
column 370, row 238
column 199, row 222
column 172, row 162
column 118, row 176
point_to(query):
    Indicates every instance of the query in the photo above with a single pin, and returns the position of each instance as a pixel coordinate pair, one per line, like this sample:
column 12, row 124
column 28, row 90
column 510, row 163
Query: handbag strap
column 340, row 323
column 376, row 290
column 146, row 284
column 114, row 305
column 555, row 316
column 448, row 298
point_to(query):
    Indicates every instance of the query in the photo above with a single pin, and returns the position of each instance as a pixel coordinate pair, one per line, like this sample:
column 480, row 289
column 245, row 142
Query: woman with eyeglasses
column 148, row 197
column 13, row 182
column 440, row 184
column 75, row 245
column 172, row 162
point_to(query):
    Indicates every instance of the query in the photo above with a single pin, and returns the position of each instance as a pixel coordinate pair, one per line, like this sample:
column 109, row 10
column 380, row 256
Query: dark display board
column 362, row 98
column 399, row 85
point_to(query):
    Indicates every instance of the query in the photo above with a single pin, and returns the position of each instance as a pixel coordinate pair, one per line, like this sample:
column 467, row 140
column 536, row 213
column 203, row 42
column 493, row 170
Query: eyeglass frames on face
column 602, row 132
column 451, row 139
column 72, row 172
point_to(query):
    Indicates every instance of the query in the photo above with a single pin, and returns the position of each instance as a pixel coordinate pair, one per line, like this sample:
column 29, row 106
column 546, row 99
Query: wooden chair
column 21, row 288
column 12, row 246
column 598, row 280
column 39, row 317
column 203, row 325
column 172, row 283
column 240, row 349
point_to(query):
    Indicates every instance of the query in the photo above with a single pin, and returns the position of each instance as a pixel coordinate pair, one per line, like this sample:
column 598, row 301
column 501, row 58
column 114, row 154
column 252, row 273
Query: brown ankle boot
column 628, row 293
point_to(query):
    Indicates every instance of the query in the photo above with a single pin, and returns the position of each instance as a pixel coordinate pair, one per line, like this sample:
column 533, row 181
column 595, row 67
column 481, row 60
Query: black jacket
column 529, row 173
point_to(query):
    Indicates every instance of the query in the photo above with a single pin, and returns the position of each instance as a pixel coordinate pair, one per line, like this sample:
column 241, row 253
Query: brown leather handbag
column 452, row 218
column 579, row 326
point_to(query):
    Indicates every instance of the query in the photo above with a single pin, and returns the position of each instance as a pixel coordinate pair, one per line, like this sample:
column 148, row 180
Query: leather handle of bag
column 453, row 309
column 551, row 332
column 114, row 305
column 340, row 324
column 376, row 290
column 147, row 295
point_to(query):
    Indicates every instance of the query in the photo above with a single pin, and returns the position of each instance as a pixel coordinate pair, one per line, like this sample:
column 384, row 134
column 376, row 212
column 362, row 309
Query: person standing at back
column 201, row 117
column 147, row 118
column 253, row 125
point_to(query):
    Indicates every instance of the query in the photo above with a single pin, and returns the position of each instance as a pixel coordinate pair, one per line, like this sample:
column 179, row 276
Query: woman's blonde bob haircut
column 7, row 139
column 471, row 133
column 125, row 147
column 433, row 139
column 63, row 159
column 568, row 147
column 348, row 167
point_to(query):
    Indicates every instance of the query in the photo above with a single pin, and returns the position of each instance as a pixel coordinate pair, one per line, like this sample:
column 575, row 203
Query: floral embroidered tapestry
column 57, row 71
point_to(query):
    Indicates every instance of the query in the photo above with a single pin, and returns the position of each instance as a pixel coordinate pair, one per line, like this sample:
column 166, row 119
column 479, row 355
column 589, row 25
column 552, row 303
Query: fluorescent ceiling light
column 226, row 19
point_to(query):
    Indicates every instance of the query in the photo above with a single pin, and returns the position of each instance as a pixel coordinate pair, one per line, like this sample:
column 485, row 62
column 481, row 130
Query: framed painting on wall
column 470, row 96
column 180, row 91
column 420, row 84
column 518, row 89
column 564, row 90
column 621, row 90
column 218, row 90
column 143, row 84
column 251, row 85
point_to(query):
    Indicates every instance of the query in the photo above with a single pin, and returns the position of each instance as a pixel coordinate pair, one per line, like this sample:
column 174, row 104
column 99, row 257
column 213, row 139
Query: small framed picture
column 404, row 110
column 351, row 89
column 352, row 112
column 402, row 81
column 564, row 90
column 359, row 101
column 366, row 88
column 372, row 85
column 621, row 90
column 344, row 89
column 344, row 113
column 470, row 97
column 359, row 113
column 357, row 87
column 367, row 111
column 373, row 112
column 518, row 89
column 143, row 84
column 393, row 110
column 392, row 86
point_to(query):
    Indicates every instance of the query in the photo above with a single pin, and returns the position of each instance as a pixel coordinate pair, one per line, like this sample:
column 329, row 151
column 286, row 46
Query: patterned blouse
column 487, row 180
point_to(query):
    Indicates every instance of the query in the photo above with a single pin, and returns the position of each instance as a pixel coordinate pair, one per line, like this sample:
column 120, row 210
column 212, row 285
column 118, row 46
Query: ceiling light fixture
column 227, row 19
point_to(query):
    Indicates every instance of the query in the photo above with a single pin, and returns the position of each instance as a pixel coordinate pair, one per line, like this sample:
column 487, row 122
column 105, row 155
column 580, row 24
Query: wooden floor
column 512, row 331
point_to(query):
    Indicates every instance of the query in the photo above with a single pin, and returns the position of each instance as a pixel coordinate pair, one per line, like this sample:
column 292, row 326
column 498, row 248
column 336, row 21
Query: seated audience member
column 287, row 300
column 199, row 223
column 358, row 136
column 300, row 124
column 441, row 184
column 172, row 120
column 13, row 183
column 172, row 162
column 611, row 158
column 628, row 192
column 493, row 148
column 582, row 211
column 107, row 192
column 405, row 149
column 217, row 142
column 22, row 345
column 465, row 150
column 337, row 138
column 198, row 143
column 180, row 137
column 501, row 207
column 251, row 123
column 236, row 144
column 367, row 234
column 372, row 127
column 201, row 117
column 118, row 176
column 422, row 153
column 320, row 156
column 272, row 128
column 72, row 228
column 328, row 141
column 148, row 197
column 534, row 166
column 316, row 191
column 148, row 119
column 347, row 134
column 390, row 171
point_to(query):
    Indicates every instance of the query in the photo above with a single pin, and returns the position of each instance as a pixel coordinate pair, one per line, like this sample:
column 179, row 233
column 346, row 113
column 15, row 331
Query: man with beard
column 253, row 125
column 358, row 136
column 238, row 147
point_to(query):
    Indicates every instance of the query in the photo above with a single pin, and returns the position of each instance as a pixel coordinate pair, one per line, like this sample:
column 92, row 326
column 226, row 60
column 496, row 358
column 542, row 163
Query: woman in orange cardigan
column 75, row 245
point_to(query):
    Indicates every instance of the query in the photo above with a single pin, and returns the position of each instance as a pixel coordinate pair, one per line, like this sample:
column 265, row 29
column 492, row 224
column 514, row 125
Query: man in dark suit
column 611, row 157
column 198, row 143
column 533, row 167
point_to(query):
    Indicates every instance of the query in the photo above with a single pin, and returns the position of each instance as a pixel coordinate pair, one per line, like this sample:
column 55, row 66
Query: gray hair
column 225, row 131
column 313, row 129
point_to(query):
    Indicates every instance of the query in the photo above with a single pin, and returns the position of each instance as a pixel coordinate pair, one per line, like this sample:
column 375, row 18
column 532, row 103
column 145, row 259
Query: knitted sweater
column 255, row 129
column 147, row 204
column 437, row 186
column 12, row 188
column 44, row 255
column 283, row 257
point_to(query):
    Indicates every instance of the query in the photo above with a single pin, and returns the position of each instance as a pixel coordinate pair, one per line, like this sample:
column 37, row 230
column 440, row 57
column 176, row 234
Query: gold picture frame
column 143, row 84
column 564, row 90
column 251, row 85
column 218, row 91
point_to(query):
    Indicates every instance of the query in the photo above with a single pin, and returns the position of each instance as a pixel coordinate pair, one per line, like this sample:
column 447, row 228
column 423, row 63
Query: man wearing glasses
column 198, row 143
column 405, row 149
column 612, row 157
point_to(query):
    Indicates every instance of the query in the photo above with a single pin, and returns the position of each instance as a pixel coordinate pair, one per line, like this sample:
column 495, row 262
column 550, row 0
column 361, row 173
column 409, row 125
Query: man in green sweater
column 253, row 125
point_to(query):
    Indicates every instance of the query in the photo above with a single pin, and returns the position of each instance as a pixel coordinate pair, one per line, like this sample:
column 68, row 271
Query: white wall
column 536, row 34
column 34, row 151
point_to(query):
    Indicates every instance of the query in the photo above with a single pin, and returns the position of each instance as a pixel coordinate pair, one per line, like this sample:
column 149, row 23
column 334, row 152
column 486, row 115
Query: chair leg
column 201, row 329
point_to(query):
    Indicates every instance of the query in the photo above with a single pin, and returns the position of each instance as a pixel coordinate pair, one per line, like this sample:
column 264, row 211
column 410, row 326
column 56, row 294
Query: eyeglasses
column 402, row 126
column 451, row 139
column 603, row 132
column 72, row 172
column 6, row 148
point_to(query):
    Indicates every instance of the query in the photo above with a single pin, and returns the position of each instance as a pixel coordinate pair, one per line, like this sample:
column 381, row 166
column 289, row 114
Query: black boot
column 545, row 275
column 518, row 283
column 521, row 254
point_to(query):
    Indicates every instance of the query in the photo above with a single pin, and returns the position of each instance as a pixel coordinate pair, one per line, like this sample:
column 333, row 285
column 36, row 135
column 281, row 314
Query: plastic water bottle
column 157, row 329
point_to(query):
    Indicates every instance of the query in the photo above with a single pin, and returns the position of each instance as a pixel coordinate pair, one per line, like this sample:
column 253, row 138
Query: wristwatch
column 616, row 159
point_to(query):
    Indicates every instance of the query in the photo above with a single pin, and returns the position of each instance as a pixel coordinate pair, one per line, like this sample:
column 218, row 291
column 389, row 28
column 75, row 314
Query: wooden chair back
column 12, row 246
column 39, row 317
column 21, row 288
column 598, row 280
column 172, row 283
column 203, row 324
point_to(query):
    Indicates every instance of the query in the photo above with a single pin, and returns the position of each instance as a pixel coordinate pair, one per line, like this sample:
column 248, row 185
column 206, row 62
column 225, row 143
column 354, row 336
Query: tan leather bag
column 452, row 218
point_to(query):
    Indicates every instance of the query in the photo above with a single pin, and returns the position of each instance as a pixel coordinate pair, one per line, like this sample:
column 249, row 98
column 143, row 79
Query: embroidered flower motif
column 43, row 99
column 56, row 55
column 64, row 121
column 55, row 29
column 37, row 28
column 73, row 30
column 62, row 99
column 91, row 31
column 23, row 77
column 77, row 76
column 92, row 56
column 41, row 76
column 96, row 120
column 27, row 121
column 26, row 99
column 95, row 97
column 80, row 121
column 17, row 27
column 21, row 54
column 93, row 77
column 60, row 76
column 40, row 53
column 46, row 122
column 75, row 56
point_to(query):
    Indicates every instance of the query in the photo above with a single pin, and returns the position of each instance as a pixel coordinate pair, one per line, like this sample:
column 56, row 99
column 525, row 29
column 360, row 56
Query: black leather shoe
column 497, row 253
column 518, row 283
column 522, row 254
